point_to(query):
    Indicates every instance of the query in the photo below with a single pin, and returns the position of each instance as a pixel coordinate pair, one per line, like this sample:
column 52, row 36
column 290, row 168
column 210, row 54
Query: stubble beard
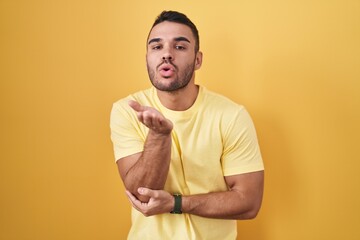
column 178, row 83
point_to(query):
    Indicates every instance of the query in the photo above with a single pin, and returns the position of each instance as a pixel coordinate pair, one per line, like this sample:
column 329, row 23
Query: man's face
column 171, row 58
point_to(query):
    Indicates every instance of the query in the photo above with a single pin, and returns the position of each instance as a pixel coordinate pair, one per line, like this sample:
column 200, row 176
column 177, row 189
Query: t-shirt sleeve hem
column 248, row 169
column 126, row 153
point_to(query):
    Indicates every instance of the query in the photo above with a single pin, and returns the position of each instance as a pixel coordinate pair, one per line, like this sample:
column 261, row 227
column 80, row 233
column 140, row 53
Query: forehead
column 171, row 30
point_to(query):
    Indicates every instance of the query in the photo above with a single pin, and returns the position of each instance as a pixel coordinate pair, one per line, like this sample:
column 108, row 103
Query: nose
column 167, row 58
column 167, row 55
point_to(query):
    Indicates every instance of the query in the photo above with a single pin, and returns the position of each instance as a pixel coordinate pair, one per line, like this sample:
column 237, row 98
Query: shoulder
column 140, row 96
column 220, row 102
column 229, row 113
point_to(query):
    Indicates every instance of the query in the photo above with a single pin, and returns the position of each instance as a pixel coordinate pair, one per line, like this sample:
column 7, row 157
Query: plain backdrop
column 295, row 65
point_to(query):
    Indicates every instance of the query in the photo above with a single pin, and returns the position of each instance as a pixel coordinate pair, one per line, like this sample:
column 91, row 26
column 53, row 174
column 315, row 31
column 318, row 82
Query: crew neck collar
column 179, row 114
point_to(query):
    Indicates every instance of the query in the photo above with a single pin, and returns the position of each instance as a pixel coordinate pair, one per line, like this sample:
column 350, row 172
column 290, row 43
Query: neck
column 181, row 99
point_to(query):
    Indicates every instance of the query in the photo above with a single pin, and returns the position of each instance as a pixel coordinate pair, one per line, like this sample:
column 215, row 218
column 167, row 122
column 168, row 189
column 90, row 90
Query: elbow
column 250, row 214
column 134, row 191
column 138, row 196
column 142, row 198
column 252, row 210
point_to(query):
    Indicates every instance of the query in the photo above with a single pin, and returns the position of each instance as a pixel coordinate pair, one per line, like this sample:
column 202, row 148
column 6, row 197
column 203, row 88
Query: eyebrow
column 154, row 40
column 177, row 39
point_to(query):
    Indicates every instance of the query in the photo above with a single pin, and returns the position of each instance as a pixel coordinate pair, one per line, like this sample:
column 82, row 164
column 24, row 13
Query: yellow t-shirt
column 212, row 139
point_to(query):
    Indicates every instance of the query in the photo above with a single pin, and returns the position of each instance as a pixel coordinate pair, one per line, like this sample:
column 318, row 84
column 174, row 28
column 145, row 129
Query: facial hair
column 181, row 80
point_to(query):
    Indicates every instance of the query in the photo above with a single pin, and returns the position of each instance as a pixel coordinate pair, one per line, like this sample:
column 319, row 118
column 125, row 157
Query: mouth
column 166, row 70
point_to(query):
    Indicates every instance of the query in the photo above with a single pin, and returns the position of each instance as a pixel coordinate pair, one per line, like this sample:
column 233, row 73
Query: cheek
column 150, row 60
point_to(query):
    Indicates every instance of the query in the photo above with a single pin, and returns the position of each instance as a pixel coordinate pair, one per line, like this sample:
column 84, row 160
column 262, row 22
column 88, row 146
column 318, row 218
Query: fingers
column 133, row 200
column 147, row 192
column 138, row 205
column 130, row 196
column 145, row 115
column 160, row 201
column 151, row 118
column 135, row 105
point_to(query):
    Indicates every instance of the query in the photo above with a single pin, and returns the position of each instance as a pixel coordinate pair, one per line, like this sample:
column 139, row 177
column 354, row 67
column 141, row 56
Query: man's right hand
column 152, row 118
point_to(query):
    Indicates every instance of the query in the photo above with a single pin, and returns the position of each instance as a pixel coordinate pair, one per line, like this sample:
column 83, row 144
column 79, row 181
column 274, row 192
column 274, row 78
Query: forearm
column 152, row 168
column 223, row 205
column 241, row 201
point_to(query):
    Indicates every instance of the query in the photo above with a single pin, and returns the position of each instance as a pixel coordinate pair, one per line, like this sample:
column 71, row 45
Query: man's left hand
column 160, row 202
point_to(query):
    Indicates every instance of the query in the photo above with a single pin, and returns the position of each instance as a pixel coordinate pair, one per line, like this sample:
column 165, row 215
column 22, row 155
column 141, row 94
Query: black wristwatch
column 177, row 205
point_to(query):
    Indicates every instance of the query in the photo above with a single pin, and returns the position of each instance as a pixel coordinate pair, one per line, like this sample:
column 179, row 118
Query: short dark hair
column 177, row 17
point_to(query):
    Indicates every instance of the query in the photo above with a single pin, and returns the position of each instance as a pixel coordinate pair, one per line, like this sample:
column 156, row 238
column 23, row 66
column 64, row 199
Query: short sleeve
column 241, row 152
column 126, row 133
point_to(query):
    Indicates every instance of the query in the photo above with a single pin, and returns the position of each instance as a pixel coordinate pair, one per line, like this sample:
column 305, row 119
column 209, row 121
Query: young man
column 189, row 158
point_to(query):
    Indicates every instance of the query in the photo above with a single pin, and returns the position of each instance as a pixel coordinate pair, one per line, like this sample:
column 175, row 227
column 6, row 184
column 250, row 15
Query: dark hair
column 177, row 17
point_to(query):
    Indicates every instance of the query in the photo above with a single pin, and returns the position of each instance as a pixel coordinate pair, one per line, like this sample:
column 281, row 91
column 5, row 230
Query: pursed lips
column 166, row 70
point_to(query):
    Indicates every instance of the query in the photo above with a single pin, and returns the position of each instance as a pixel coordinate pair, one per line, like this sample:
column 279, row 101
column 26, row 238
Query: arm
column 241, row 201
column 150, row 167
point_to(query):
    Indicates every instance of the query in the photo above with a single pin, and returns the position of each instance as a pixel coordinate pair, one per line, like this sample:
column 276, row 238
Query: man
column 188, row 157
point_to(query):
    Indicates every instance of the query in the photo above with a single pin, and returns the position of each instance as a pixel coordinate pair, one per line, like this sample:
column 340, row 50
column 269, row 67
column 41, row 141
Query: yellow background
column 295, row 65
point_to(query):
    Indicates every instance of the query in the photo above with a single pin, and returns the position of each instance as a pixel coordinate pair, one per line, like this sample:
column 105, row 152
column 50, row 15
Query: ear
column 198, row 60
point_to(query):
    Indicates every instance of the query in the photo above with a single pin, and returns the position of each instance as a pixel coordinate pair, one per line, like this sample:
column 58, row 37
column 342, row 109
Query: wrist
column 156, row 135
column 177, row 209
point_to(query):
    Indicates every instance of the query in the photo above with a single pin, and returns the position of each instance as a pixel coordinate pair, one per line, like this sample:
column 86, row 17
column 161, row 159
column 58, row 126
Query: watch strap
column 177, row 205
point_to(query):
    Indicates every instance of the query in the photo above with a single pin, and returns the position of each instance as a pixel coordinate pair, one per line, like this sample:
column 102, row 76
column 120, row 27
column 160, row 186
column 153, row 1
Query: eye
column 156, row 47
column 179, row 47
